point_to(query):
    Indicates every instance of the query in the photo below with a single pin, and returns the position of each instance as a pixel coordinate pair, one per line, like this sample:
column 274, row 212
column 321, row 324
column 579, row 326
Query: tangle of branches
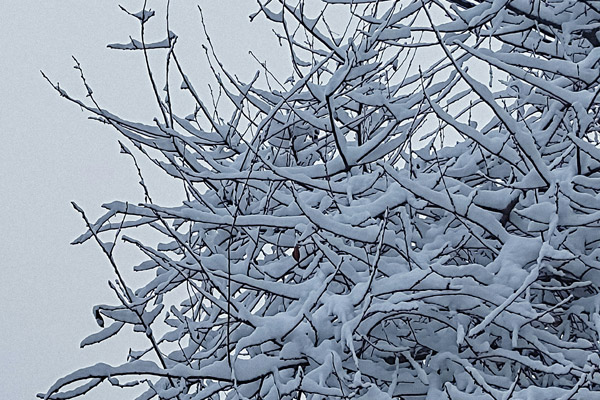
column 413, row 214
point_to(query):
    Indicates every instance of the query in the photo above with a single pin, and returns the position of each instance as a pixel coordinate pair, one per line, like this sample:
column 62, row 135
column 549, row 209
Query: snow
column 365, row 234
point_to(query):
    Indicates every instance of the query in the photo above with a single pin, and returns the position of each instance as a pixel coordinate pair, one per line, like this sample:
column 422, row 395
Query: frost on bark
column 385, row 223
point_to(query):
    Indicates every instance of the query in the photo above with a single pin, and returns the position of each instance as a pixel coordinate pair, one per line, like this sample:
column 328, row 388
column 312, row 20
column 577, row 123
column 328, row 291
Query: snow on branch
column 413, row 213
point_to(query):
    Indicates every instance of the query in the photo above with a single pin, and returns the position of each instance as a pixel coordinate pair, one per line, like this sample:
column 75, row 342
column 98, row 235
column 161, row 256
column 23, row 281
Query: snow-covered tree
column 414, row 213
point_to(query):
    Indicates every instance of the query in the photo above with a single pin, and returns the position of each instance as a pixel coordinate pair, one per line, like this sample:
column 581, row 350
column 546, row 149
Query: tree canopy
column 413, row 213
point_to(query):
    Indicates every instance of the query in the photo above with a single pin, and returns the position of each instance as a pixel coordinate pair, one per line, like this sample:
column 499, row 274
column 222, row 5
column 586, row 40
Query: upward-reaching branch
column 384, row 224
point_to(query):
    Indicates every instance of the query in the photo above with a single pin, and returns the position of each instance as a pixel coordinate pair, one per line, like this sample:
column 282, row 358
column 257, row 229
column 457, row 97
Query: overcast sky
column 51, row 154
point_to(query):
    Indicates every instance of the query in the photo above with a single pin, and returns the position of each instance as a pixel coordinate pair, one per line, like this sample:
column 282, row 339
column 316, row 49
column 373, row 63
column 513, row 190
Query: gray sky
column 51, row 154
